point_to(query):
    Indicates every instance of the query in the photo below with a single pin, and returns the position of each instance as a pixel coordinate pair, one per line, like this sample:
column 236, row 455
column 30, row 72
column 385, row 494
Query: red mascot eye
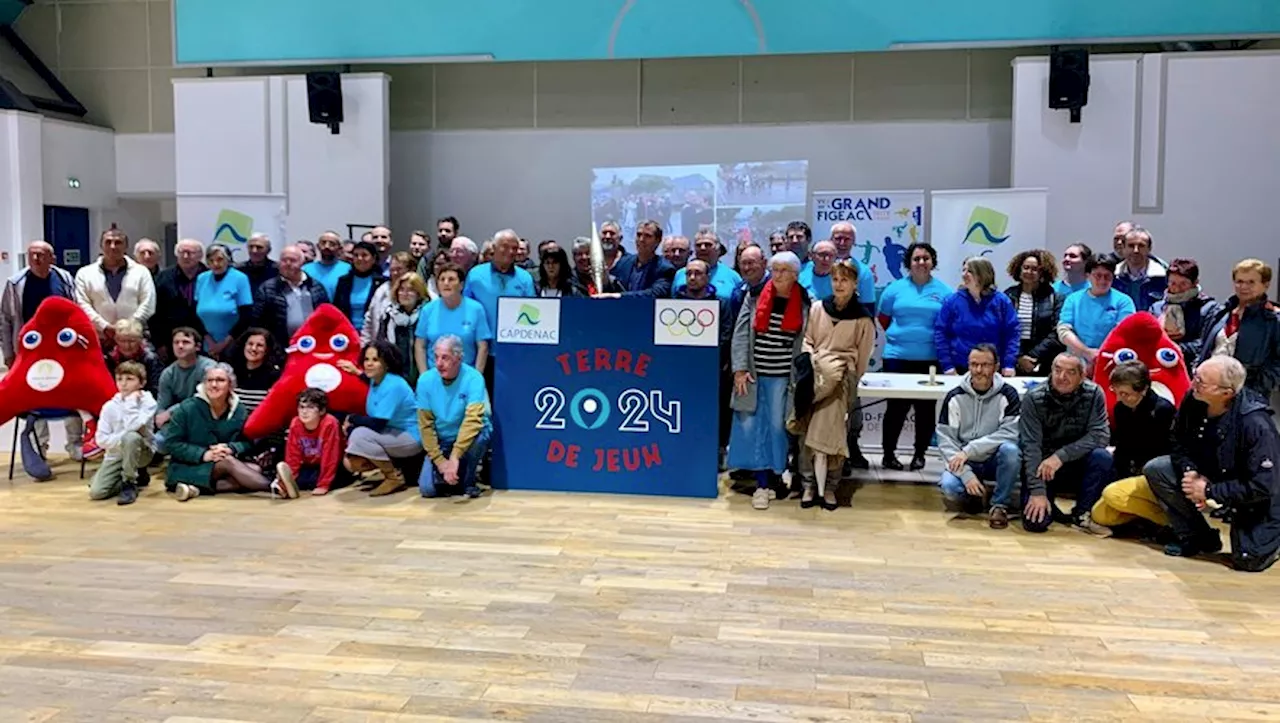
column 66, row 337
column 1126, row 355
column 31, row 339
column 307, row 344
column 1167, row 357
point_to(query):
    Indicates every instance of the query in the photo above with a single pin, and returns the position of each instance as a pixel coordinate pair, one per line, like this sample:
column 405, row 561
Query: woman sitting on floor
column 388, row 431
column 203, row 436
column 1141, row 431
column 838, row 338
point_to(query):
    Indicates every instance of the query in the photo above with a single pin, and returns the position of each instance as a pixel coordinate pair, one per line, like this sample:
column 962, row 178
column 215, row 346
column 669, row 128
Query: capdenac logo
column 529, row 321
column 528, row 315
column 987, row 227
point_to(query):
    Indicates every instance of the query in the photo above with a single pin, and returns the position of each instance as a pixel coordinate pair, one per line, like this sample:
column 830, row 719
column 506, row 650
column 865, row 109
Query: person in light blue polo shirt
column 388, row 430
column 1074, row 277
column 908, row 308
column 224, row 300
column 454, row 421
column 497, row 278
column 815, row 275
column 453, row 314
column 330, row 267
column 723, row 278
column 1090, row 314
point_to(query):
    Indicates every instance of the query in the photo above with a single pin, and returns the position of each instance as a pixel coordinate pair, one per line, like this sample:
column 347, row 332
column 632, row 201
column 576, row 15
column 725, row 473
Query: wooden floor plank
column 561, row 608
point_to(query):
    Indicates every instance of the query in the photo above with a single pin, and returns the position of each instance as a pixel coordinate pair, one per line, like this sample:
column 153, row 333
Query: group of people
column 797, row 333
column 1149, row 469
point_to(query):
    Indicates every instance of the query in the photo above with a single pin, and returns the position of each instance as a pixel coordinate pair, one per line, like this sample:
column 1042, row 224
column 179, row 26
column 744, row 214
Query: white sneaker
column 185, row 492
column 760, row 499
column 1086, row 524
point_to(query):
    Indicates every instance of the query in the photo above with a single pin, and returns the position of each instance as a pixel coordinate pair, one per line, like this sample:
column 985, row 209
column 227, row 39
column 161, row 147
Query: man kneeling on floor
column 978, row 436
column 1225, row 448
column 1064, row 433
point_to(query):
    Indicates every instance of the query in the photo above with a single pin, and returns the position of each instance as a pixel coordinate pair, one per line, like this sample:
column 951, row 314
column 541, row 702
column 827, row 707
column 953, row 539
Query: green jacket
column 192, row 430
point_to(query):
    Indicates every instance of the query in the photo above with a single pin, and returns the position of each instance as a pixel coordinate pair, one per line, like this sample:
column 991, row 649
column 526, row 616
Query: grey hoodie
column 977, row 424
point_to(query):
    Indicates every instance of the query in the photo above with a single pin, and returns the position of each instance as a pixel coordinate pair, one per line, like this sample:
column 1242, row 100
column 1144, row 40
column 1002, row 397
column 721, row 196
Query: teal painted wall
column 264, row 31
column 10, row 10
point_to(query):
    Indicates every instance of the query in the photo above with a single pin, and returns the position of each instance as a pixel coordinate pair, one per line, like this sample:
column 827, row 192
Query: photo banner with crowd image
column 887, row 223
column 743, row 201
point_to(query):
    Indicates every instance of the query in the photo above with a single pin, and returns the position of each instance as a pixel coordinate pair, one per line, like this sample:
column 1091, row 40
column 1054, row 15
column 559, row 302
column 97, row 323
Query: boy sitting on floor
column 125, row 432
column 314, row 447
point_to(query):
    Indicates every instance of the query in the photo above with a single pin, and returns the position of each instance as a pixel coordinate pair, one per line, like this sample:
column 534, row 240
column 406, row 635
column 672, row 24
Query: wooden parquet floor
column 554, row 607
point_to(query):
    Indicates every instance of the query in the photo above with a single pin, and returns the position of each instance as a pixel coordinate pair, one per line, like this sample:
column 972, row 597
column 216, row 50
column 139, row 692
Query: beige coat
column 839, row 351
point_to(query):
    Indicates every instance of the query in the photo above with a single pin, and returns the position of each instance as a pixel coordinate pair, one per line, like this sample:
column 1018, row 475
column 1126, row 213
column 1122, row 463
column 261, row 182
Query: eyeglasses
column 1198, row 381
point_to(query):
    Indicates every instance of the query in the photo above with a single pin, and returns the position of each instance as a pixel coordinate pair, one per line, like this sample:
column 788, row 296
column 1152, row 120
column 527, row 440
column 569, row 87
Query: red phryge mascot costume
column 324, row 338
column 1139, row 337
column 59, row 366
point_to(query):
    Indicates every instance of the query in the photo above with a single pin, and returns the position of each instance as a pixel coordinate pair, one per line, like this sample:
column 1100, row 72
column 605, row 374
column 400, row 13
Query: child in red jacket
column 314, row 447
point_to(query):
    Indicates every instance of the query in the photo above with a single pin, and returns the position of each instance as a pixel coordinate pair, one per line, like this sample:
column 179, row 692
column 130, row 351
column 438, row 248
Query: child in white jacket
column 126, row 431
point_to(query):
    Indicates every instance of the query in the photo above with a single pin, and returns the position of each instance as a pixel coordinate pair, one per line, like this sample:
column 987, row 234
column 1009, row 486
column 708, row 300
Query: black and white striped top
column 773, row 349
column 1026, row 312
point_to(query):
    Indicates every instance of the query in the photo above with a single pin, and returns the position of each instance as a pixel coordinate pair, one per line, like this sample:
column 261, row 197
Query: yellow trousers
column 1125, row 499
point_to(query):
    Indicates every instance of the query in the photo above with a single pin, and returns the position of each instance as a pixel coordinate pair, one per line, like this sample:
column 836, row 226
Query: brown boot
column 393, row 479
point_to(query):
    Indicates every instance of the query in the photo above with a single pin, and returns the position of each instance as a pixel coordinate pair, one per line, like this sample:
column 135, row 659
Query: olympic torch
column 598, row 270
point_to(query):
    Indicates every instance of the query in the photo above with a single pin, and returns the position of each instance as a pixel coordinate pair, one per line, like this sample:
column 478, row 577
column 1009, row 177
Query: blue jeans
column 1088, row 476
column 430, row 479
column 1004, row 467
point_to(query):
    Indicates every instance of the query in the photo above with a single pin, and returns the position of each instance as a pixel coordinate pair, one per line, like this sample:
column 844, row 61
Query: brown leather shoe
column 999, row 518
column 392, row 482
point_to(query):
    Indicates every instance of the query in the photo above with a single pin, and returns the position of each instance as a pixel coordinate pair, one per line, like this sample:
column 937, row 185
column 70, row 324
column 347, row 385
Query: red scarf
column 791, row 318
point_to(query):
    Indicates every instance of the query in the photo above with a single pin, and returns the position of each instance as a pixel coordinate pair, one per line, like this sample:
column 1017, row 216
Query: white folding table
column 885, row 385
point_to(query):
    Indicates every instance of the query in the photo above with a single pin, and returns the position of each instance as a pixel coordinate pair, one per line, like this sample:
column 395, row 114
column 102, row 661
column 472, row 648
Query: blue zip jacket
column 963, row 323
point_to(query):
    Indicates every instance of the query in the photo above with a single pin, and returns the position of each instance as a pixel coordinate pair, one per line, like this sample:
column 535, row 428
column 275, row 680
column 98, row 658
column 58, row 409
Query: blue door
column 68, row 230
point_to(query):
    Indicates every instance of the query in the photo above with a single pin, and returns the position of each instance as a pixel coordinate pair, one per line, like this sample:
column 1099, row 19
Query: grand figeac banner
column 993, row 223
column 607, row 395
column 887, row 222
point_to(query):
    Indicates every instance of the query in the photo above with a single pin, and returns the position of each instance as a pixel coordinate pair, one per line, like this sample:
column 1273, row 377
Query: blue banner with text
column 607, row 395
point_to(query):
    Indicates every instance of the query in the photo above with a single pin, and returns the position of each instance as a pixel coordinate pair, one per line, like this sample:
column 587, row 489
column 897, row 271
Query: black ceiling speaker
column 1069, row 80
column 324, row 98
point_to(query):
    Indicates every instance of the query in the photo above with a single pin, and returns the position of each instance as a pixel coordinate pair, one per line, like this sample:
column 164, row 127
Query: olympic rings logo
column 686, row 321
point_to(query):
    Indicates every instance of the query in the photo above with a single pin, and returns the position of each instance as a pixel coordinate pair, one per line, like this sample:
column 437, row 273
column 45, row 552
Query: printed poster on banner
column 686, row 323
column 231, row 220
column 529, row 321
column 993, row 223
column 887, row 223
